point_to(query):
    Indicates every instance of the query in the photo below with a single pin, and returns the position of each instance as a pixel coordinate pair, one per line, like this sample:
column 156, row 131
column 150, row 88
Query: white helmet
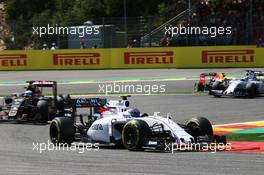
column 134, row 112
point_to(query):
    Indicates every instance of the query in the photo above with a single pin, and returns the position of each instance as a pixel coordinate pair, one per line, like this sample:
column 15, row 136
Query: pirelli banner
column 215, row 57
column 54, row 60
column 122, row 58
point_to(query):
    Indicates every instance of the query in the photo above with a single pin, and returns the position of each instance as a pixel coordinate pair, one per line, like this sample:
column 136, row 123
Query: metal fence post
column 103, row 36
column 251, row 22
column 149, row 30
column 125, row 21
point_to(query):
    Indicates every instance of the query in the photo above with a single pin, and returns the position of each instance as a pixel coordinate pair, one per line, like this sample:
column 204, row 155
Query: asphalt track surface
column 18, row 157
column 12, row 81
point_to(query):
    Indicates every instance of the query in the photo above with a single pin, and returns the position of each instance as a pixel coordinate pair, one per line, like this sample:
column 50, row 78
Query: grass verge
column 256, row 137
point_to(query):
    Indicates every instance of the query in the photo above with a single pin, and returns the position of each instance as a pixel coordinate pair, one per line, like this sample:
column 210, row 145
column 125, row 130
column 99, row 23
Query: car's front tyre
column 251, row 90
column 200, row 126
column 62, row 130
column 134, row 134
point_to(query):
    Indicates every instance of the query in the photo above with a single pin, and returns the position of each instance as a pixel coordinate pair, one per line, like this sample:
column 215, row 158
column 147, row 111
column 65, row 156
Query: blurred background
column 128, row 23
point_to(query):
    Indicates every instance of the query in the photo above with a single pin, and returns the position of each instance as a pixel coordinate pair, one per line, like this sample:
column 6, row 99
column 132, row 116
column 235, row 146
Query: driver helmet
column 134, row 112
column 33, row 86
column 28, row 93
column 250, row 75
column 246, row 74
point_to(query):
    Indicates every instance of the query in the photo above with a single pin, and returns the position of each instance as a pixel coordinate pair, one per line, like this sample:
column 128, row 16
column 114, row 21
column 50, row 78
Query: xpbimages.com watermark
column 131, row 88
column 81, row 31
column 78, row 147
column 213, row 31
column 203, row 147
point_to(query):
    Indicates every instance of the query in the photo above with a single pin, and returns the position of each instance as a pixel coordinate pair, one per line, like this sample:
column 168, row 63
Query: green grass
column 256, row 137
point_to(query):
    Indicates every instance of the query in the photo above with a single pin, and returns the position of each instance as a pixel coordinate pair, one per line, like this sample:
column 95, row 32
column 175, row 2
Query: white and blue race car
column 121, row 125
column 249, row 86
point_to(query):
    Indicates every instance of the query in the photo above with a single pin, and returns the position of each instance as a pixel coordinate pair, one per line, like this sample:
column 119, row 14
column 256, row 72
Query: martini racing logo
column 76, row 59
column 13, row 60
column 228, row 56
column 165, row 57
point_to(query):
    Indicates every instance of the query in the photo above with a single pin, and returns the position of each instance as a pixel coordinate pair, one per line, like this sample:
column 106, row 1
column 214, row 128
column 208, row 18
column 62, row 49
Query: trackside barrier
column 122, row 58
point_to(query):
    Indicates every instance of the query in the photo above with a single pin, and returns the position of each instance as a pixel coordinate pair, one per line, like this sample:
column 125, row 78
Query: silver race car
column 118, row 124
column 250, row 86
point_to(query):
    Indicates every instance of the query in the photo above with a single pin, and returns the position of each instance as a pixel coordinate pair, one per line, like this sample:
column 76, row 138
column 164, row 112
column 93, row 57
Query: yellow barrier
column 160, row 57
column 58, row 59
column 232, row 56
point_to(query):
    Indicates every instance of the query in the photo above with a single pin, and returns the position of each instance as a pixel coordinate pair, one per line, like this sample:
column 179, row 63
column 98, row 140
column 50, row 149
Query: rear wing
column 43, row 83
column 211, row 74
column 92, row 105
column 257, row 73
column 88, row 102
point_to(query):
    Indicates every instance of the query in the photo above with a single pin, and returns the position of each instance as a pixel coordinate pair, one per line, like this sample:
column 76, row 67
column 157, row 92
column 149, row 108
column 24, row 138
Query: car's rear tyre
column 67, row 100
column 217, row 96
column 200, row 87
column 62, row 130
column 42, row 113
column 8, row 100
column 251, row 90
column 64, row 101
column 217, row 85
column 200, row 126
column 60, row 103
column 134, row 134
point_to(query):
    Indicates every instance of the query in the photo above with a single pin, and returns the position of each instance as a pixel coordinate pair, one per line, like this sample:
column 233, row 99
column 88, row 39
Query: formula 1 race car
column 33, row 106
column 250, row 86
column 205, row 84
column 121, row 125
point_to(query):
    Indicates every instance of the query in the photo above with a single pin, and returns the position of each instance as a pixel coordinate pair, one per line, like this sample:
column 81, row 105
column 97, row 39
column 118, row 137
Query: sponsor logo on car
column 165, row 57
column 228, row 56
column 13, row 60
column 97, row 127
column 73, row 59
